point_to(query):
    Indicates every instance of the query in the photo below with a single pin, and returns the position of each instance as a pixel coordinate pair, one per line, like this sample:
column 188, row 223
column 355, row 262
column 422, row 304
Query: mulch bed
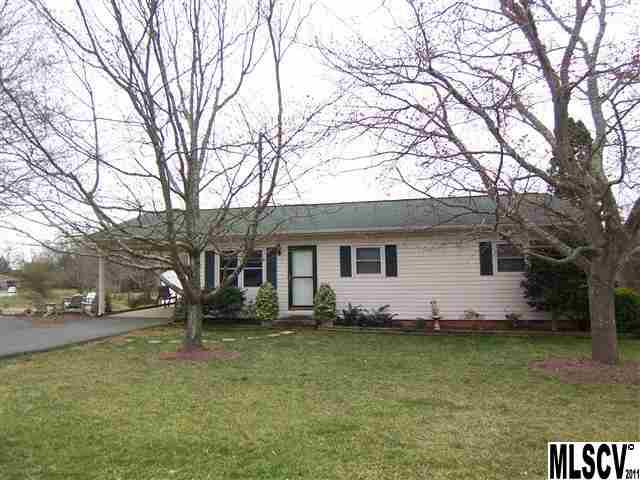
column 584, row 370
column 200, row 355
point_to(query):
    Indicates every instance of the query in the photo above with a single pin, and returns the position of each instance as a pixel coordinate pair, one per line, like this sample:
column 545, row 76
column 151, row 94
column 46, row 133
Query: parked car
column 72, row 303
column 12, row 291
column 89, row 298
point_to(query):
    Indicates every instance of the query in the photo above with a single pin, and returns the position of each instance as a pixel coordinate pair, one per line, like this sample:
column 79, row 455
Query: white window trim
column 354, row 261
column 241, row 274
column 494, row 246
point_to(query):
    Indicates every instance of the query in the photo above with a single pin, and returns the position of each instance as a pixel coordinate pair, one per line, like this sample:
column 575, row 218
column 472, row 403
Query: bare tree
column 177, row 71
column 477, row 98
column 23, row 62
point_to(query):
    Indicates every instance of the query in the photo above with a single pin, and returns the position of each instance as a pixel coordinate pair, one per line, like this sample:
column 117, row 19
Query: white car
column 89, row 298
column 12, row 291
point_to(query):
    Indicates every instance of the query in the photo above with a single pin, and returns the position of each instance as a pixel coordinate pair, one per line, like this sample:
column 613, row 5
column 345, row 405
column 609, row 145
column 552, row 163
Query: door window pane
column 302, row 291
column 302, row 263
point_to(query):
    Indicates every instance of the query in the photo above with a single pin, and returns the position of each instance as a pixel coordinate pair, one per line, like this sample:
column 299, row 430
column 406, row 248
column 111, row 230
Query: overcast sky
column 304, row 75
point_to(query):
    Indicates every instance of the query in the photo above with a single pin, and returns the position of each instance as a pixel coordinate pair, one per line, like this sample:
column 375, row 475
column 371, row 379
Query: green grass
column 120, row 301
column 24, row 297
column 310, row 405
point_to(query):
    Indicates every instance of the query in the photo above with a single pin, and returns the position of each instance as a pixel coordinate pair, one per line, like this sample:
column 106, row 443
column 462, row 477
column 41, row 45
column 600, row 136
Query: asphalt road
column 17, row 335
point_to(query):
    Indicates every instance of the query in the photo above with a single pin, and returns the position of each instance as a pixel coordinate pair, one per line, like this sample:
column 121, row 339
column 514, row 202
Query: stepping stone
column 287, row 332
column 154, row 341
column 174, row 341
column 228, row 339
column 252, row 338
column 273, row 335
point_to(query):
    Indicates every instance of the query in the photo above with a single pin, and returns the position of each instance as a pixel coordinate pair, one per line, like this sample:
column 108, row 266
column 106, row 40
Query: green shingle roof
column 383, row 215
column 378, row 215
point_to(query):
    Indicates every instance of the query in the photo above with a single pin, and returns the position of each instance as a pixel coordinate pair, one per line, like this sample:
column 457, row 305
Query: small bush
column 350, row 315
column 267, row 303
column 224, row 302
column 249, row 310
column 377, row 317
column 562, row 289
column 324, row 305
column 627, row 310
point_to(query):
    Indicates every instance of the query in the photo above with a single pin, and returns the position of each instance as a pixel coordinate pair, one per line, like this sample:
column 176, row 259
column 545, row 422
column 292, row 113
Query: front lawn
column 309, row 405
column 24, row 298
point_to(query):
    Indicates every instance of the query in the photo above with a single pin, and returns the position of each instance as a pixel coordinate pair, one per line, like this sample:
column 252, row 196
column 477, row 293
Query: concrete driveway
column 18, row 335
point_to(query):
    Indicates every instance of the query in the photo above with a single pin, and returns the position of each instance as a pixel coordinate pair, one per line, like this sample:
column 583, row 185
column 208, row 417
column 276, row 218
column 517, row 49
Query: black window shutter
column 345, row 261
column 486, row 258
column 209, row 270
column 272, row 267
column 391, row 260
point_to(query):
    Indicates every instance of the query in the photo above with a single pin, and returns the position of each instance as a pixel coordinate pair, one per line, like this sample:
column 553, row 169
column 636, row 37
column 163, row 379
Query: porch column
column 100, row 290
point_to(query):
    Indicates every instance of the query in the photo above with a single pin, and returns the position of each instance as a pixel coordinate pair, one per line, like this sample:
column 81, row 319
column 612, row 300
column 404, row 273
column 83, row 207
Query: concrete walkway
column 18, row 335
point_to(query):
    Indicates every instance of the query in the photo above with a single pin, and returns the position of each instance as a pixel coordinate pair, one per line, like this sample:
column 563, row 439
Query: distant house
column 402, row 253
column 7, row 281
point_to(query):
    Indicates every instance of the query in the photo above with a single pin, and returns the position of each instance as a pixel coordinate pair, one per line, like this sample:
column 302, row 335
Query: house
column 402, row 253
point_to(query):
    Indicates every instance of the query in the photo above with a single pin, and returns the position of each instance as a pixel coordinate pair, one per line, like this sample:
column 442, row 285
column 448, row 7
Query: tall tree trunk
column 193, row 332
column 193, row 306
column 604, row 340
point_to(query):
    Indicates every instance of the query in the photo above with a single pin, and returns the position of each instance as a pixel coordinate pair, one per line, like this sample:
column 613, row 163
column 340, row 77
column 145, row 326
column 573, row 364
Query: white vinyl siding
column 434, row 267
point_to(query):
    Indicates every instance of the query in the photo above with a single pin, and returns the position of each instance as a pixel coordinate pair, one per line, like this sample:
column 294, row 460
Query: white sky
column 305, row 76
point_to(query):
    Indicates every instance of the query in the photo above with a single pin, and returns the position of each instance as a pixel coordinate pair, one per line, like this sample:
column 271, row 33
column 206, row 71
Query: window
column 253, row 270
column 368, row 260
column 510, row 258
column 228, row 264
